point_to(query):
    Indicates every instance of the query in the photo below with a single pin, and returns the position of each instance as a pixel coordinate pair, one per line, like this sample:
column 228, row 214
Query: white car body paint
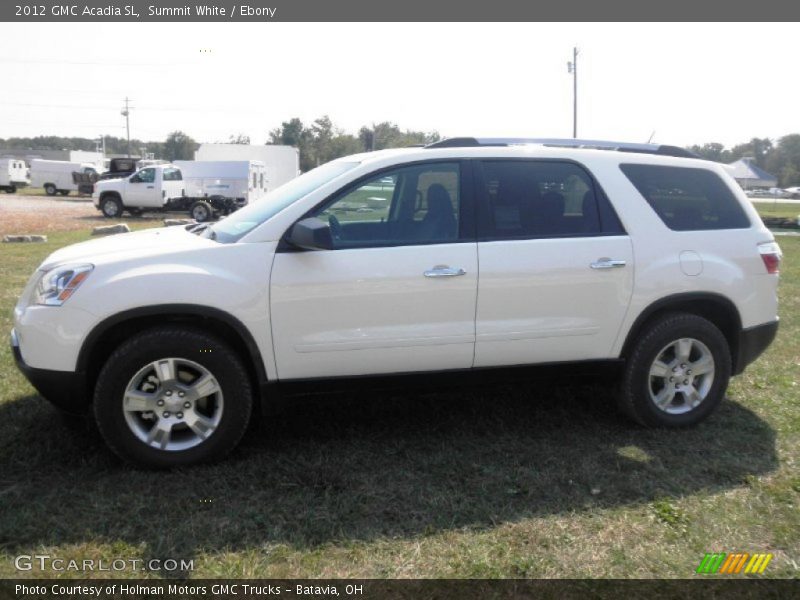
column 371, row 310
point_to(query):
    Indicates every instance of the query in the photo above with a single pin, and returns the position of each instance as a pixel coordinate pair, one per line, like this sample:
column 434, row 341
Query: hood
column 123, row 246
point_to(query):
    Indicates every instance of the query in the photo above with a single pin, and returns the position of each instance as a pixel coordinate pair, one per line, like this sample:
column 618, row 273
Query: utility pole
column 126, row 113
column 572, row 67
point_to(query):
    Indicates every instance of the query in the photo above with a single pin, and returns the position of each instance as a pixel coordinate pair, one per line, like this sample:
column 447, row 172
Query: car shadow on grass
column 367, row 466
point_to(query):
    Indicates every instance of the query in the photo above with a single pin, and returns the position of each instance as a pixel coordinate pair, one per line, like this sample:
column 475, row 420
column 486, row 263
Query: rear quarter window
column 687, row 199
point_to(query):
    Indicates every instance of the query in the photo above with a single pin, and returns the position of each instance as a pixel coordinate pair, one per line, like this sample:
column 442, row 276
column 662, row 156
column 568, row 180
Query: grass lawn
column 513, row 481
column 779, row 209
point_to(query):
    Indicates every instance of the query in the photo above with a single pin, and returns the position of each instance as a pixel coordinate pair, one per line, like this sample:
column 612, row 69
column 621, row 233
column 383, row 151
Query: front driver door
column 142, row 189
column 398, row 292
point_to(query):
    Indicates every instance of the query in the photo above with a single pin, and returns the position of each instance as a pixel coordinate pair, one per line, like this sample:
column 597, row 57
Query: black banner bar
column 399, row 11
column 392, row 589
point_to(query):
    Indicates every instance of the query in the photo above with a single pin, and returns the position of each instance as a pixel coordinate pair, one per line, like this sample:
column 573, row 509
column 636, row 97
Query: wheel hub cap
column 681, row 376
column 173, row 404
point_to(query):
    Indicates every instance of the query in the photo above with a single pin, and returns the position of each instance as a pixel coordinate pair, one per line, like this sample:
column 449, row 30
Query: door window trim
column 467, row 227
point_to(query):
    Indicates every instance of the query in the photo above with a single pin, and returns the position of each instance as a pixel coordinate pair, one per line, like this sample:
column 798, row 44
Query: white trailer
column 13, row 174
column 96, row 159
column 244, row 181
column 281, row 163
column 55, row 176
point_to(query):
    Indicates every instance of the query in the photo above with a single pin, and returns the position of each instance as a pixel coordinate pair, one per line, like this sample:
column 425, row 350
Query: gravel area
column 26, row 215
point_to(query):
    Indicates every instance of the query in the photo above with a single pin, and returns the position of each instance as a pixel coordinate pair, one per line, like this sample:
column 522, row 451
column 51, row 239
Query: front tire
column 676, row 373
column 173, row 396
column 111, row 207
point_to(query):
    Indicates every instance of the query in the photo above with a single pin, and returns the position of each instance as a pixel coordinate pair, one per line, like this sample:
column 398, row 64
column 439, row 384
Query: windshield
column 232, row 228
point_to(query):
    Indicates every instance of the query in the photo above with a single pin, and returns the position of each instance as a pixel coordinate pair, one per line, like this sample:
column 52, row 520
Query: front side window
column 524, row 199
column 145, row 176
column 418, row 204
column 687, row 199
column 232, row 228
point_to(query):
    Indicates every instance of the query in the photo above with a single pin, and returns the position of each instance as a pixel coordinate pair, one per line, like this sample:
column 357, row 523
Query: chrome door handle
column 444, row 271
column 607, row 263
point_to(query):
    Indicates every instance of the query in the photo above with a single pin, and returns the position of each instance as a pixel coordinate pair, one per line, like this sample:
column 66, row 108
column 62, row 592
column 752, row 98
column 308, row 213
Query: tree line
column 321, row 141
column 782, row 158
column 318, row 142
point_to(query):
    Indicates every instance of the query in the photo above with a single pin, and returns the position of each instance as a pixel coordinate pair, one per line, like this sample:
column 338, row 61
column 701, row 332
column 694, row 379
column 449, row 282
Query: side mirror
column 311, row 234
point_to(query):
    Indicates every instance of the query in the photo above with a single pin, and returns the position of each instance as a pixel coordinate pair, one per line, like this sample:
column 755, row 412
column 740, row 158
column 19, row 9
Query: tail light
column 771, row 255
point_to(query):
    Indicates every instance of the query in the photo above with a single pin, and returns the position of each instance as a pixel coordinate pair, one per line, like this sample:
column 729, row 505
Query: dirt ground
column 38, row 215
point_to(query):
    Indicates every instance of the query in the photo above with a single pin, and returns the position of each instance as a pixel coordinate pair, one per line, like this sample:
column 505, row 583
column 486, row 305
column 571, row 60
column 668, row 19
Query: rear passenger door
column 556, row 266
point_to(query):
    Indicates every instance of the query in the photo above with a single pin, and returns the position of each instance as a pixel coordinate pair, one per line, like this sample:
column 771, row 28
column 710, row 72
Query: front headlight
column 57, row 285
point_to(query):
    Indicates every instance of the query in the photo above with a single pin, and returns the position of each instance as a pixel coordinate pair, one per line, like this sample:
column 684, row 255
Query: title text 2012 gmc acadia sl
column 462, row 256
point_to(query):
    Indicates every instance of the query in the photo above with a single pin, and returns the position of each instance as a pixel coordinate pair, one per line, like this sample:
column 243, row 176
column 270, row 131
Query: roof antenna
column 651, row 136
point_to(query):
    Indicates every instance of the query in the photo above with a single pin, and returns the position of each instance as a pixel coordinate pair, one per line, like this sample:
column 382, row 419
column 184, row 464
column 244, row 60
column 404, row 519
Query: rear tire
column 173, row 396
column 111, row 207
column 201, row 211
column 64, row 192
column 10, row 189
column 50, row 189
column 676, row 373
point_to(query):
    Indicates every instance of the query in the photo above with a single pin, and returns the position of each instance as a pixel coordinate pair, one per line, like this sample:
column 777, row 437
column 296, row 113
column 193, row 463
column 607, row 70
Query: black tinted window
column 172, row 175
column 687, row 199
column 537, row 199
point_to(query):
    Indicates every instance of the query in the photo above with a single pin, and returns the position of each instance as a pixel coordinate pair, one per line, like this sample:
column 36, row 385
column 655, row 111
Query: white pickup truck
column 157, row 188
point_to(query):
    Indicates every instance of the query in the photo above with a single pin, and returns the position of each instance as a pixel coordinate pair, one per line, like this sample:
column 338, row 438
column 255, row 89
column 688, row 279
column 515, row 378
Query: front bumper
column 64, row 389
column 752, row 343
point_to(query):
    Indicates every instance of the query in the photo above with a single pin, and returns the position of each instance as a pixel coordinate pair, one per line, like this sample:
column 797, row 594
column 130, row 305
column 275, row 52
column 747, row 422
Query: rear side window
column 687, row 199
column 525, row 199
column 172, row 175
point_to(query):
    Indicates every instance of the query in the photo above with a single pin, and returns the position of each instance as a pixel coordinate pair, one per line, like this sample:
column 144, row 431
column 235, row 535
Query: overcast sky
column 687, row 83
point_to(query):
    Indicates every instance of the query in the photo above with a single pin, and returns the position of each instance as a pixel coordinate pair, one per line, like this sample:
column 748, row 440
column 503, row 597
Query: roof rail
column 466, row 142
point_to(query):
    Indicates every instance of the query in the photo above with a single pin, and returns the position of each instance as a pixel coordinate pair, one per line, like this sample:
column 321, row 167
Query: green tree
column 757, row 148
column 179, row 146
column 239, row 138
column 388, row 135
column 713, row 151
column 784, row 160
column 290, row 133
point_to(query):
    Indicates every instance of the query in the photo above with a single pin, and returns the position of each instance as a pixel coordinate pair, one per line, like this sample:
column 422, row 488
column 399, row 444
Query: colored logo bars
column 735, row 563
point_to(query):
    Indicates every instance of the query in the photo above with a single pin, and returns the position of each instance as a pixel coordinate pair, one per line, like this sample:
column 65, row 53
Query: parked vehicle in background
column 163, row 187
column 281, row 163
column 13, row 175
column 119, row 167
column 794, row 192
column 243, row 180
column 776, row 192
column 55, row 176
column 476, row 259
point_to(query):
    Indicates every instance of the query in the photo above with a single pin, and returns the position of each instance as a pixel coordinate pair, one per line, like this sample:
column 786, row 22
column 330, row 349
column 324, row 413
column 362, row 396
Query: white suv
column 468, row 256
